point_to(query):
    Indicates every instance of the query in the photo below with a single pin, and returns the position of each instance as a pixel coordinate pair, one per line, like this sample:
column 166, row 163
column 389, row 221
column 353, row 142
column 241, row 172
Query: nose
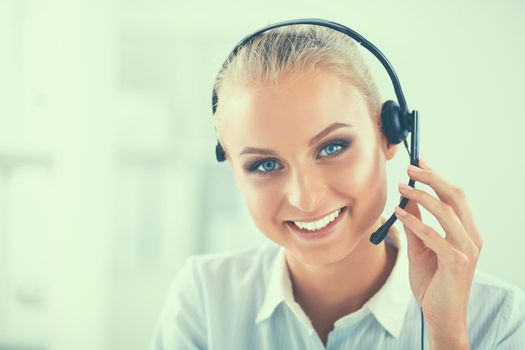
column 305, row 190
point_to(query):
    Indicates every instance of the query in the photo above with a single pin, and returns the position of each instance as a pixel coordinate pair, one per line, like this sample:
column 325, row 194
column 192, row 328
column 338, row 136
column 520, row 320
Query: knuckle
column 410, row 220
column 447, row 209
column 480, row 244
column 429, row 174
column 474, row 252
column 458, row 192
column 415, row 194
column 427, row 231
column 459, row 261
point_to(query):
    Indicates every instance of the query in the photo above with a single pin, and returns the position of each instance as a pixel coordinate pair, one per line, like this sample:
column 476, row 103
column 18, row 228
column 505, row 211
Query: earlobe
column 391, row 151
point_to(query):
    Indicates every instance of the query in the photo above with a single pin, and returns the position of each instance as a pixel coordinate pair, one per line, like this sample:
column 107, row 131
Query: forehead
column 299, row 106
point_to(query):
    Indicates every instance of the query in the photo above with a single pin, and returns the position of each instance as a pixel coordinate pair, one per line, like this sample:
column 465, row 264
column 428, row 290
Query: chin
column 331, row 253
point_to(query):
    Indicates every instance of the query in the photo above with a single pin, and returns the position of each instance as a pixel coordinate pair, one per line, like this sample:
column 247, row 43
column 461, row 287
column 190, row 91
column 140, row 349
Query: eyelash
column 253, row 168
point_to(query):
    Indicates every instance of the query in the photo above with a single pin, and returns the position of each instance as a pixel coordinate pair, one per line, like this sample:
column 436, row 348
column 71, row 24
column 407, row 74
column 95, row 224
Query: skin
column 303, row 181
column 441, row 269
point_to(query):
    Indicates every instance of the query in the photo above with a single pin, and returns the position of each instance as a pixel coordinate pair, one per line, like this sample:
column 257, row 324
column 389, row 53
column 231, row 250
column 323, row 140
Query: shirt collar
column 388, row 305
column 279, row 287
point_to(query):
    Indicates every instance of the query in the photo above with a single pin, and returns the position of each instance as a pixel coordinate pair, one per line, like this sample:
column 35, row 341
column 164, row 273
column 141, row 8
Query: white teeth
column 319, row 224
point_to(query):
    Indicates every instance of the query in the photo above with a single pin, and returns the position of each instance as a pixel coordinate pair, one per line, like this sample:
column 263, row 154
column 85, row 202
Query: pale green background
column 107, row 173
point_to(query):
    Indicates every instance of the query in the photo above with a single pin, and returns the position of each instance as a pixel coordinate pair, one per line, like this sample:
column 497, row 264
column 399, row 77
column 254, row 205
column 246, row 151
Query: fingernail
column 414, row 168
column 400, row 211
column 404, row 186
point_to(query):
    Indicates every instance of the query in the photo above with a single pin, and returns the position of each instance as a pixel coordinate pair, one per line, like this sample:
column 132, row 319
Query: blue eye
column 264, row 166
column 334, row 148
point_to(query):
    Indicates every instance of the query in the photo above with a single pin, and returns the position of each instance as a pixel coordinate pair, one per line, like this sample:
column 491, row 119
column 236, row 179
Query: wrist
column 456, row 340
column 448, row 331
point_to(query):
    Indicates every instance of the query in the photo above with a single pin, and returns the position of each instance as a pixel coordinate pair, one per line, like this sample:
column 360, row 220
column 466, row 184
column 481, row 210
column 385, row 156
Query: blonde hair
column 296, row 47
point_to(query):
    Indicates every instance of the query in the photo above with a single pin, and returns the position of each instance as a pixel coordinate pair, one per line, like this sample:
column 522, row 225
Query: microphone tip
column 379, row 235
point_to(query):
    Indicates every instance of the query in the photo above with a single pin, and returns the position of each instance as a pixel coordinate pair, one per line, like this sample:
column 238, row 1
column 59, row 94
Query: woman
column 298, row 119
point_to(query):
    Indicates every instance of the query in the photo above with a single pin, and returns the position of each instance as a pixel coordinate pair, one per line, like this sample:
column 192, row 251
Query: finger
column 449, row 194
column 455, row 232
column 423, row 164
column 443, row 249
column 415, row 245
column 413, row 208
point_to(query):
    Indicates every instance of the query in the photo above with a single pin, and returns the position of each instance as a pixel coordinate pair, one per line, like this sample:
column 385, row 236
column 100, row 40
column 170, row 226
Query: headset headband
column 338, row 27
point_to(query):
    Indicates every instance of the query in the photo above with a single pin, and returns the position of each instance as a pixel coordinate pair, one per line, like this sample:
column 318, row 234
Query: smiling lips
column 318, row 224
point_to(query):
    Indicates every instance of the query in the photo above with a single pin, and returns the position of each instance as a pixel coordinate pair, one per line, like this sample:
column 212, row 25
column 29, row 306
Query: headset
column 396, row 120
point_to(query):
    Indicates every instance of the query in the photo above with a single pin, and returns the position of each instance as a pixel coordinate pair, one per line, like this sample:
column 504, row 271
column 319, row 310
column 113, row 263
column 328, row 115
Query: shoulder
column 488, row 289
column 485, row 280
column 245, row 266
column 236, row 260
column 497, row 310
column 211, row 293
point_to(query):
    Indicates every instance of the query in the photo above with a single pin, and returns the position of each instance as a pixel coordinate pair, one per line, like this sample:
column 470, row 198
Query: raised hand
column 441, row 269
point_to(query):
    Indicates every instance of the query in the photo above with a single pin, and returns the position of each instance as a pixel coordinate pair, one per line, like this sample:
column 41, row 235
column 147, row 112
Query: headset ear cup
column 393, row 127
column 219, row 153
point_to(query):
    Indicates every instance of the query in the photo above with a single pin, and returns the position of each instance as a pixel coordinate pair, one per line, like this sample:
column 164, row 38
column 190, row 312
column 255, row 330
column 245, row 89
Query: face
column 288, row 169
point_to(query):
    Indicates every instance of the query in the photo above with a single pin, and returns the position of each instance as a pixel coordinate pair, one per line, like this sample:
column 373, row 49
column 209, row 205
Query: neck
column 337, row 289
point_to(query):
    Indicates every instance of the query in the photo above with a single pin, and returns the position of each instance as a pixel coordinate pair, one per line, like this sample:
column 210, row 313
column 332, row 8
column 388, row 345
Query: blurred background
column 108, row 179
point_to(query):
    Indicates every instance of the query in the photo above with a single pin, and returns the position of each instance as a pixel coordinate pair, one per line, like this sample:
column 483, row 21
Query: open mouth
column 319, row 228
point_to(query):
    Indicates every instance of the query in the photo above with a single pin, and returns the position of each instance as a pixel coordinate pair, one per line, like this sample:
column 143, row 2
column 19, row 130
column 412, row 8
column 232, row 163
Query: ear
column 389, row 149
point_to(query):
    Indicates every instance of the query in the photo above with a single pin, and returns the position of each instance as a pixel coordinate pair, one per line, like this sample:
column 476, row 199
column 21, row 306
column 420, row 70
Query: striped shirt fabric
column 244, row 300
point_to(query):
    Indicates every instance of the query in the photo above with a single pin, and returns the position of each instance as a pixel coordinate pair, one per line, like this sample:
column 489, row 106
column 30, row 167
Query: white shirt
column 244, row 300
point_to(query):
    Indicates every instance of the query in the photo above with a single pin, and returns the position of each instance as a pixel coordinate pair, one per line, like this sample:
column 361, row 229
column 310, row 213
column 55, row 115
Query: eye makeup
column 334, row 147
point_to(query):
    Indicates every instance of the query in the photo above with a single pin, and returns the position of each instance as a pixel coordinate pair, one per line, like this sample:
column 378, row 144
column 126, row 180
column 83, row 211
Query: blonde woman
column 297, row 117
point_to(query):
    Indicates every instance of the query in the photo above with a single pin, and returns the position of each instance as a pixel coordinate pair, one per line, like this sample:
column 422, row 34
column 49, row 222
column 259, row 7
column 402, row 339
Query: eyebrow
column 323, row 133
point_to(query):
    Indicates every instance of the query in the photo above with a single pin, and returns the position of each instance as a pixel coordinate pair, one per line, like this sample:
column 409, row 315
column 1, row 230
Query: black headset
column 396, row 121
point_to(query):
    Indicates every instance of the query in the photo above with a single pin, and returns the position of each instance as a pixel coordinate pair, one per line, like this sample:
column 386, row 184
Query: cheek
column 260, row 194
column 261, row 200
column 360, row 171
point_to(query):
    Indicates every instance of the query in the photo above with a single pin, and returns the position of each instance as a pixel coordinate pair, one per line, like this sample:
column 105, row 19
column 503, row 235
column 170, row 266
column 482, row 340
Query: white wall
column 107, row 173
column 58, row 173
